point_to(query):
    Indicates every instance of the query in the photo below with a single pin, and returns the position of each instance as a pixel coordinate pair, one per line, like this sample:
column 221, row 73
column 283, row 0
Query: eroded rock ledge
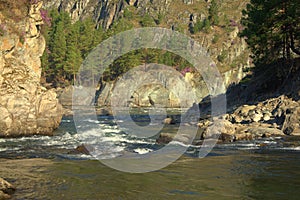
column 26, row 107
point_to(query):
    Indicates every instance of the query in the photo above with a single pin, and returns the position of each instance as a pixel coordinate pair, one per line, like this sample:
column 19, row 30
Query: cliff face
column 105, row 12
column 224, row 45
column 226, row 48
column 26, row 107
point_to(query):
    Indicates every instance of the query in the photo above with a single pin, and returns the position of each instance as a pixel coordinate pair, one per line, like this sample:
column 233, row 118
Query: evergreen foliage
column 272, row 29
column 68, row 44
column 202, row 25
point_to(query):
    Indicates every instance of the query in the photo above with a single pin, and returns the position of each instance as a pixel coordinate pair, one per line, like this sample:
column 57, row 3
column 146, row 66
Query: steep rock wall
column 26, row 107
column 161, row 95
column 104, row 12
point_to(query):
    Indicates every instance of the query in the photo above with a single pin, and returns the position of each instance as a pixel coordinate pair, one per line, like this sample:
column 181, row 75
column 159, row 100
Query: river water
column 42, row 167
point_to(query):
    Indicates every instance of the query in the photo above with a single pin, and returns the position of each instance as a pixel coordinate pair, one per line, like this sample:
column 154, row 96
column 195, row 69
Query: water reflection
column 227, row 175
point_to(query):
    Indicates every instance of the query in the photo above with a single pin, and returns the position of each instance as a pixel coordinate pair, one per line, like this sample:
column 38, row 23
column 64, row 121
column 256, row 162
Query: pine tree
column 272, row 29
column 59, row 48
column 73, row 54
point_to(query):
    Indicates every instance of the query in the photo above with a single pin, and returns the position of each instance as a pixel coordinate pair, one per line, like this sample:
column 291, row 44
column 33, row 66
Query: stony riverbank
column 271, row 118
column 278, row 116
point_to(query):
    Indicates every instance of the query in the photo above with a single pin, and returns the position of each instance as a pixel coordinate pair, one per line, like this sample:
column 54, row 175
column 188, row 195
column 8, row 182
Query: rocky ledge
column 26, row 107
column 274, row 117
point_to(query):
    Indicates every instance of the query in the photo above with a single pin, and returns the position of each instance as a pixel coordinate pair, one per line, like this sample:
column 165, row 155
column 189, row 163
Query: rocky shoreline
column 275, row 117
column 28, row 108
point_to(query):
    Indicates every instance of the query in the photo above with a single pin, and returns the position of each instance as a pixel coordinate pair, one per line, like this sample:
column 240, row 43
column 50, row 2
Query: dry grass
column 14, row 10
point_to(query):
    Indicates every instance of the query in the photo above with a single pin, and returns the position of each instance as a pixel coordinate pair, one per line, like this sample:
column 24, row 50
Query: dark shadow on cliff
column 264, row 82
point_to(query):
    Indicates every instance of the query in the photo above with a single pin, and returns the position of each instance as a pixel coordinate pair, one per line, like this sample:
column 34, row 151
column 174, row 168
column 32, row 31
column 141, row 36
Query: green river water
column 41, row 168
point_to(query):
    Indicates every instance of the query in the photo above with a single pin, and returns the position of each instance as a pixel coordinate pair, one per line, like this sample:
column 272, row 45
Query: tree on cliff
column 73, row 54
column 67, row 45
column 57, row 45
column 272, row 29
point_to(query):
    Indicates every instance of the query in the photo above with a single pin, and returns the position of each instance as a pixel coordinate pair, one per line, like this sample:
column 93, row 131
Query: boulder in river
column 82, row 149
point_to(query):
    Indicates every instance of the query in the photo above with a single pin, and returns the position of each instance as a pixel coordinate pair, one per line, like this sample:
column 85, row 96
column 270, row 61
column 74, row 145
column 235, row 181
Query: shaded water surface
column 237, row 175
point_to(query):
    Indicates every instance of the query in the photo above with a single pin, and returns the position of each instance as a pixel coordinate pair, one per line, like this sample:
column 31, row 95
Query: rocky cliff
column 222, row 41
column 164, row 96
column 104, row 12
column 224, row 45
column 26, row 107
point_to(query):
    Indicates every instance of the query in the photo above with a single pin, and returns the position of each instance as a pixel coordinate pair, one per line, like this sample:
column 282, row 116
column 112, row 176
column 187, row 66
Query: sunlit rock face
column 26, row 107
column 104, row 12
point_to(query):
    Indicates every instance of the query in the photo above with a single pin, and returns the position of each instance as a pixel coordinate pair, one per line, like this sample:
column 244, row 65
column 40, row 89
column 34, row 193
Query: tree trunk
column 294, row 49
column 74, row 78
column 287, row 46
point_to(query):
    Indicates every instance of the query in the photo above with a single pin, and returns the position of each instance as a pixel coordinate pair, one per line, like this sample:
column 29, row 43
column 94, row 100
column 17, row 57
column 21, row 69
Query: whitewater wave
column 291, row 148
column 142, row 150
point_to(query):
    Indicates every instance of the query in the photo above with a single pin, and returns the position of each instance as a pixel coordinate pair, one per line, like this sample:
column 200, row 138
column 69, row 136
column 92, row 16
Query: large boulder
column 26, row 107
column 291, row 125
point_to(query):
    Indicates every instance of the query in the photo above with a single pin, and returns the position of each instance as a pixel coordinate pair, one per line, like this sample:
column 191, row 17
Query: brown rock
column 264, row 132
column 6, row 189
column 227, row 137
column 169, row 120
column 26, row 107
column 244, row 136
column 244, row 110
column 291, row 125
column 165, row 138
column 82, row 149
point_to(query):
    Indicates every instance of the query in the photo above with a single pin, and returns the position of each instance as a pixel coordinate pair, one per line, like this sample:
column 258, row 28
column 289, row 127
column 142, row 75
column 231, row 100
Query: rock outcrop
column 26, row 107
column 162, row 95
column 225, row 47
column 104, row 12
column 273, row 117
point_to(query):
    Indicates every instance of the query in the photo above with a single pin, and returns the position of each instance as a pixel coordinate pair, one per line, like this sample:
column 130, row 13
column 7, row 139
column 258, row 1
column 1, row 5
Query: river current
column 44, row 167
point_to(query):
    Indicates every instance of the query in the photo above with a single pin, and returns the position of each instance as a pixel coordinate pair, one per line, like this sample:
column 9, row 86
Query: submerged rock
column 169, row 120
column 165, row 138
column 82, row 149
column 26, row 107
